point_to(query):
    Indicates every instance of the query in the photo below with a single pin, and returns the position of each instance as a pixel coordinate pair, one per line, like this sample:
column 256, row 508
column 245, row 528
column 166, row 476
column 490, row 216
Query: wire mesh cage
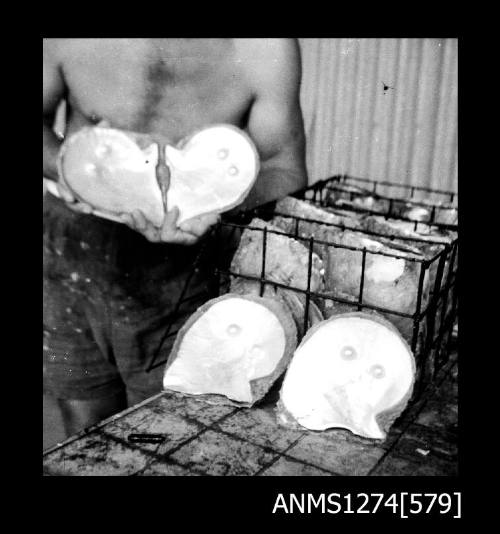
column 423, row 304
column 402, row 201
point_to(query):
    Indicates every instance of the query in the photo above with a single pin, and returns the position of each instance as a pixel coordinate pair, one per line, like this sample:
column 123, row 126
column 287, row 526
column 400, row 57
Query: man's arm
column 53, row 92
column 275, row 122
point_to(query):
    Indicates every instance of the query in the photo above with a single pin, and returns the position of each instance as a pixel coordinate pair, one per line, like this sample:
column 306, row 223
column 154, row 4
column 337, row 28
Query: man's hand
column 187, row 233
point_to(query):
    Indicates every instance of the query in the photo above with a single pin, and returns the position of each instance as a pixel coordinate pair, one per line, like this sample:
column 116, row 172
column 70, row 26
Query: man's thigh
column 78, row 360
column 109, row 299
column 77, row 353
column 143, row 337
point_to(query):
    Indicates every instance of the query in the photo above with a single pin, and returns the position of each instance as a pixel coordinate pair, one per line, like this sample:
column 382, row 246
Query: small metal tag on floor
column 146, row 438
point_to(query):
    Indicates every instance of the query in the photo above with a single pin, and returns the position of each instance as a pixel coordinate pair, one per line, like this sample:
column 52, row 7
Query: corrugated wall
column 384, row 109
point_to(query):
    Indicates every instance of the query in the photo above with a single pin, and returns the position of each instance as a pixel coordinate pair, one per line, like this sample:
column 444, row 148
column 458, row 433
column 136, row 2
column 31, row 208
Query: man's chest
column 158, row 85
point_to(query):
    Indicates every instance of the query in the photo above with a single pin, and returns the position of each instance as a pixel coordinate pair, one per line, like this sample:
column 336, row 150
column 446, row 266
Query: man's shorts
column 108, row 297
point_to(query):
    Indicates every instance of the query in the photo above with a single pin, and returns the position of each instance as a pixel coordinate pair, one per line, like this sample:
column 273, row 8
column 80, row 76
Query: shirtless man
column 108, row 287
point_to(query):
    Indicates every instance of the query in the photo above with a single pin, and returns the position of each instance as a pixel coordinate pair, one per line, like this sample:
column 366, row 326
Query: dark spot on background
column 386, row 87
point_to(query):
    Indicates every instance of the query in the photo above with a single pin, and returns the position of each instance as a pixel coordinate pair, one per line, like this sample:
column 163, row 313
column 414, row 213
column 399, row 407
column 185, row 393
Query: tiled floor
column 201, row 439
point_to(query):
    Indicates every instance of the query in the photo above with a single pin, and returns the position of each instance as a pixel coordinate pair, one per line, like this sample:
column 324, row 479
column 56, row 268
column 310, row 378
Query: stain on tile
column 397, row 466
column 218, row 455
column 259, row 426
column 194, row 408
column 289, row 467
column 337, row 452
column 95, row 455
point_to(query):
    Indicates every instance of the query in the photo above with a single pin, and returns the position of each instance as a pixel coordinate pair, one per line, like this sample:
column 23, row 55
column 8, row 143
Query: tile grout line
column 192, row 438
column 280, row 455
column 396, row 441
column 267, row 448
column 309, row 464
column 217, row 430
column 151, row 454
column 100, row 424
column 412, row 421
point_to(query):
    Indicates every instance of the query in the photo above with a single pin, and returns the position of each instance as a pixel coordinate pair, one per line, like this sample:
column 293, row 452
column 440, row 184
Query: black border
column 248, row 498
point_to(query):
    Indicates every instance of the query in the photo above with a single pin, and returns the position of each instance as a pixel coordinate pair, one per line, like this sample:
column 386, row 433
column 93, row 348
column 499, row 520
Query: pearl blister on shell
column 233, row 330
column 348, row 353
column 377, row 371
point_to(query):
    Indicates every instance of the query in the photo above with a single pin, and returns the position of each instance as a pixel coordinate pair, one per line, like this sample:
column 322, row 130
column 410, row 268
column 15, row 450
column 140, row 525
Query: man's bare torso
column 167, row 86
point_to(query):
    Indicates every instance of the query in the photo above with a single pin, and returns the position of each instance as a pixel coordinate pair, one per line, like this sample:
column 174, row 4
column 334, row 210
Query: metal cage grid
column 390, row 199
column 434, row 317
